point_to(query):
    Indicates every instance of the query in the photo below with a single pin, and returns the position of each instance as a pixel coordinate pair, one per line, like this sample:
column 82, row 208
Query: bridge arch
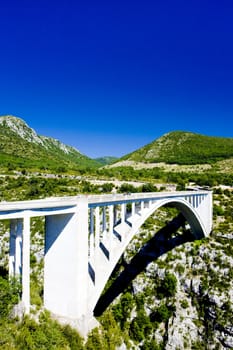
column 194, row 220
column 190, row 214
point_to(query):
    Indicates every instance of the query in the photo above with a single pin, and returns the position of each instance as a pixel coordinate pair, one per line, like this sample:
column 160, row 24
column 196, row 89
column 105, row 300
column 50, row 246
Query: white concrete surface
column 84, row 239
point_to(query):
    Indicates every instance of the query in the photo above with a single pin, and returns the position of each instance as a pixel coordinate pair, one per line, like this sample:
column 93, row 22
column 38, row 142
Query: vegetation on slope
column 181, row 147
column 21, row 147
column 106, row 160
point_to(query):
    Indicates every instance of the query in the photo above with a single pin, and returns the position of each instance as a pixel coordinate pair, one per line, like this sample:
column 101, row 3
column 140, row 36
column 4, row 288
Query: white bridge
column 85, row 237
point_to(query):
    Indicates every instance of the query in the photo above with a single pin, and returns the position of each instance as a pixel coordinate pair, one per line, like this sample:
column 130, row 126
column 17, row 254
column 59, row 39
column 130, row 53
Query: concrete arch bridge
column 85, row 237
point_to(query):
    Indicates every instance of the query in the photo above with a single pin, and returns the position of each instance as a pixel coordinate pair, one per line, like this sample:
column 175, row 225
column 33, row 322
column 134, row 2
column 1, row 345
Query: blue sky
column 108, row 77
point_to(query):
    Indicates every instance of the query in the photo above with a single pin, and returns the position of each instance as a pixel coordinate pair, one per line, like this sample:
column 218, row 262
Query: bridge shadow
column 162, row 242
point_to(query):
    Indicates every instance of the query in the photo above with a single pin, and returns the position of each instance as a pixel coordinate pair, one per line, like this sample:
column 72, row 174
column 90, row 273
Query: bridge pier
column 19, row 258
column 66, row 266
column 15, row 256
column 26, row 263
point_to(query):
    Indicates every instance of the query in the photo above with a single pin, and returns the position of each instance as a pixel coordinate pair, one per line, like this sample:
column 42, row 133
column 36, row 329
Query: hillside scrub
column 181, row 147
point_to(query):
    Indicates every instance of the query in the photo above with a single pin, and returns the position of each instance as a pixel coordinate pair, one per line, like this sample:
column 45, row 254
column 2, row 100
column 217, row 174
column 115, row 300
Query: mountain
column 106, row 160
column 21, row 146
column 180, row 147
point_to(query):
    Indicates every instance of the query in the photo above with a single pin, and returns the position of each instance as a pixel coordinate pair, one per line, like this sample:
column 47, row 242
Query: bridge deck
column 58, row 202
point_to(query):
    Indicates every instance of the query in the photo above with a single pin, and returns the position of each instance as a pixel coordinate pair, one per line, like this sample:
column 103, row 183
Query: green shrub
column 9, row 296
column 122, row 310
column 167, row 287
column 140, row 327
column 184, row 304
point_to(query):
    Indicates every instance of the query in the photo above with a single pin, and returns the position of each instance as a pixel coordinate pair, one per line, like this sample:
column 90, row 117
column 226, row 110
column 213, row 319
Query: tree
column 9, row 296
column 167, row 287
column 149, row 187
column 122, row 310
column 141, row 326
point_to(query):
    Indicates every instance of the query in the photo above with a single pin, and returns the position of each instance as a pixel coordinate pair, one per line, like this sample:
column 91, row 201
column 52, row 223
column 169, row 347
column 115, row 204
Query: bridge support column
column 19, row 261
column 91, row 235
column 123, row 211
column 133, row 209
column 104, row 223
column 15, row 258
column 26, row 264
column 97, row 228
column 142, row 207
column 110, row 233
column 66, row 267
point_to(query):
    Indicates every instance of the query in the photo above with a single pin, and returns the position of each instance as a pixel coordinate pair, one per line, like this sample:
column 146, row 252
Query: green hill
column 106, row 160
column 22, row 147
column 179, row 147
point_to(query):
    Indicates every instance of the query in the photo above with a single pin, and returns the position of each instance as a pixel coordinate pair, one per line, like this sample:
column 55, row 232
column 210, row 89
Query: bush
column 151, row 345
column 184, row 304
column 9, row 296
column 94, row 341
column 46, row 334
column 149, row 188
column 140, row 327
column 163, row 313
column 167, row 287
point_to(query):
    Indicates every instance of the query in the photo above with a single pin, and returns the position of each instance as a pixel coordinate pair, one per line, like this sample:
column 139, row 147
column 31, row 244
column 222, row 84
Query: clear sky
column 108, row 77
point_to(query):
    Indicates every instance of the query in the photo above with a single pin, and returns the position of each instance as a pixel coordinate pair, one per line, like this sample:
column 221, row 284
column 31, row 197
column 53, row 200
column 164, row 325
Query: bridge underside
column 104, row 260
column 163, row 241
